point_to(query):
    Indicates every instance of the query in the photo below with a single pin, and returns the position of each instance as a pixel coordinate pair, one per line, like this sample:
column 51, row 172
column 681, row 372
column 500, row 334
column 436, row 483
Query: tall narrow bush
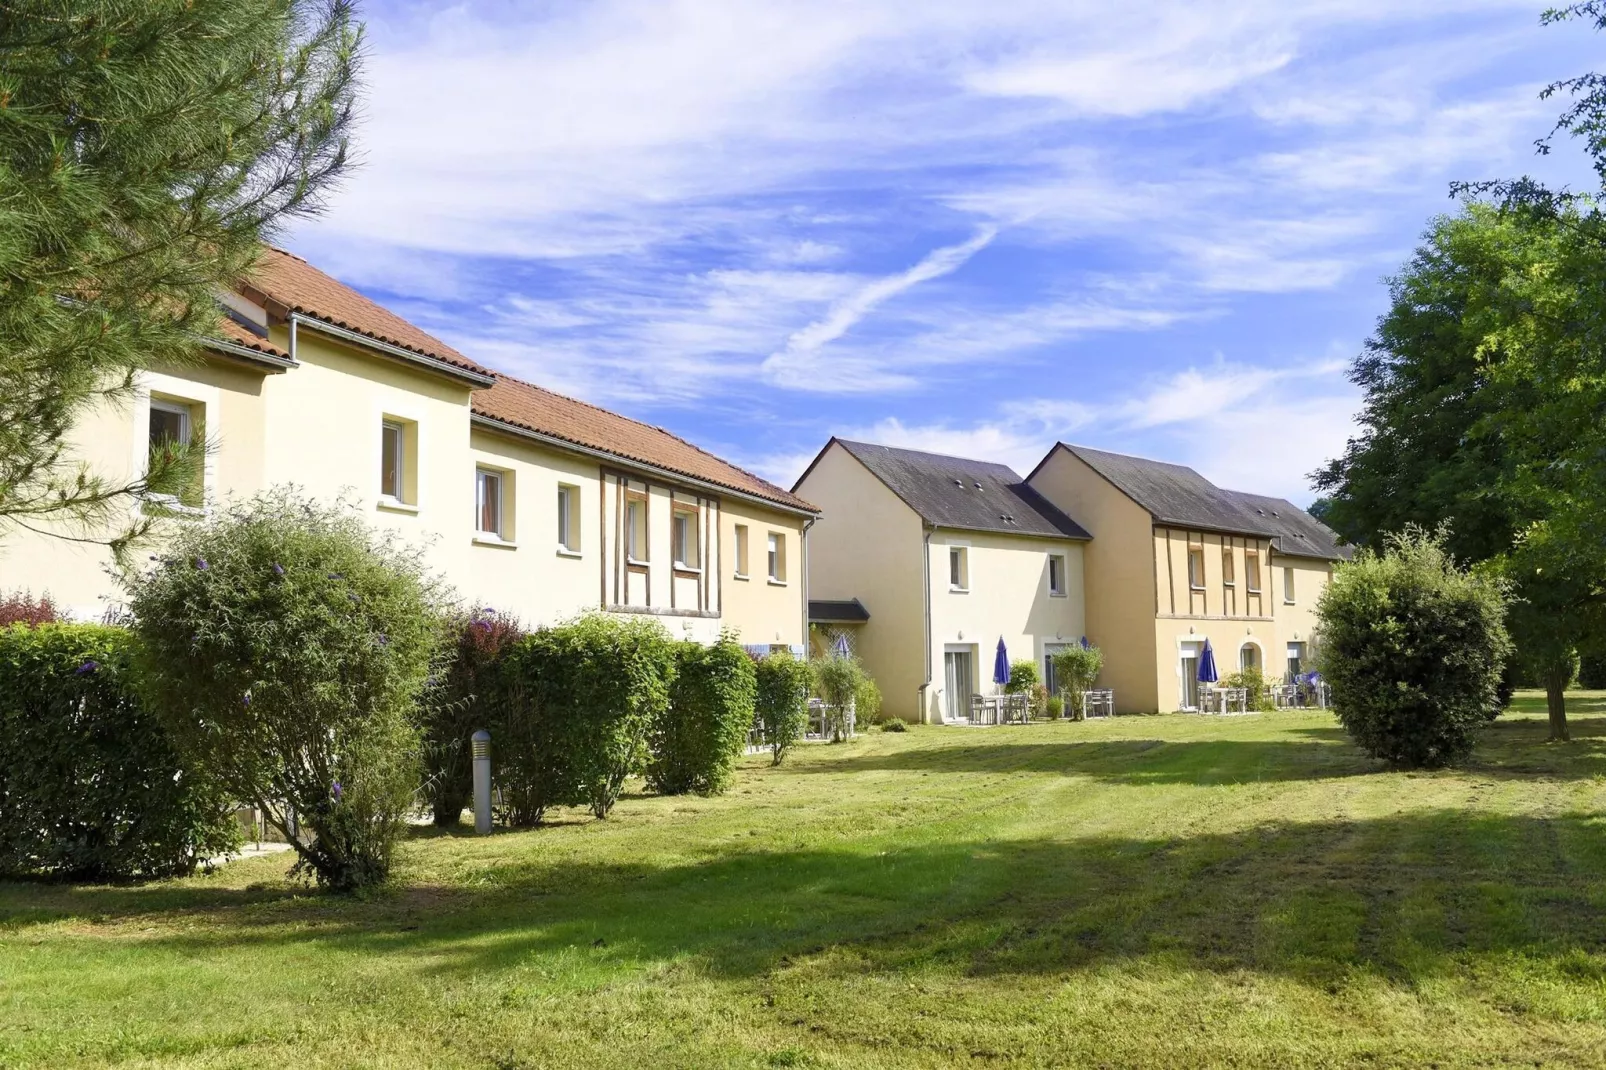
column 781, row 701
column 91, row 787
column 1413, row 648
column 462, row 701
column 579, row 701
column 1076, row 669
column 288, row 644
column 698, row 736
column 838, row 680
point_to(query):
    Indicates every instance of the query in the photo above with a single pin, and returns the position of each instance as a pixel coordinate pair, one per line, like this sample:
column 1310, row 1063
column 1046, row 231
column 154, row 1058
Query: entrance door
column 1188, row 667
column 1050, row 677
column 959, row 667
column 1248, row 656
column 1296, row 660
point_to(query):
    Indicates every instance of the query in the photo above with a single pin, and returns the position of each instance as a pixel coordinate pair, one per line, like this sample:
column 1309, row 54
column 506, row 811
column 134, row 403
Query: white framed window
column 489, row 501
column 1228, row 575
column 393, row 461
column 1056, row 575
column 1249, row 657
column 568, row 518
column 1252, row 572
column 636, row 530
column 958, row 568
column 1196, row 577
column 741, row 551
column 1288, row 586
column 1296, row 660
column 170, row 423
column 683, row 539
column 777, row 557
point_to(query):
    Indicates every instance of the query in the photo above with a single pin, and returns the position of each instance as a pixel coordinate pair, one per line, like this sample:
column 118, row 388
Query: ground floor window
column 1188, row 668
column 1050, row 674
column 1248, row 657
column 1296, row 660
column 960, row 682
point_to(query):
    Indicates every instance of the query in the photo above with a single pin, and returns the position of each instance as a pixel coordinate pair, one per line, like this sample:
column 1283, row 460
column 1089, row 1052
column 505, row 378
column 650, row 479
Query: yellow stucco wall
column 1119, row 575
column 1006, row 597
column 868, row 545
column 759, row 610
column 319, row 426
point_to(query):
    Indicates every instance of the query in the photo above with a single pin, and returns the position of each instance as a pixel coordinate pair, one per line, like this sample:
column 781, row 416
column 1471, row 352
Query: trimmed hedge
column 697, row 737
column 91, row 787
column 578, row 702
column 781, row 701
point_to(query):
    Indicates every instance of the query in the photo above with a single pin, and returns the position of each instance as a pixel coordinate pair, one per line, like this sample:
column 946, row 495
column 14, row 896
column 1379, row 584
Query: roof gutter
column 246, row 353
column 356, row 338
column 807, row 524
column 925, row 564
column 492, row 423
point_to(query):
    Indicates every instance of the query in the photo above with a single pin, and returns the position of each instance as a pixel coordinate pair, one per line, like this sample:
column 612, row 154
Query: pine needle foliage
column 147, row 150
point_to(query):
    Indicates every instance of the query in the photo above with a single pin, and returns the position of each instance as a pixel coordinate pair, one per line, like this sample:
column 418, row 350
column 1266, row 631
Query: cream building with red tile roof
column 534, row 503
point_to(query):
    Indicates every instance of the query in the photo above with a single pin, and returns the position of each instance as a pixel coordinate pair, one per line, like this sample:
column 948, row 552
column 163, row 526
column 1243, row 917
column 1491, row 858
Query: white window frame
column 632, row 505
column 1288, row 585
column 1056, row 590
column 1229, row 577
column 958, row 569
column 776, row 554
column 741, row 572
column 387, row 427
column 177, row 408
column 684, row 533
column 1196, row 582
column 483, row 479
column 568, row 519
column 1252, row 571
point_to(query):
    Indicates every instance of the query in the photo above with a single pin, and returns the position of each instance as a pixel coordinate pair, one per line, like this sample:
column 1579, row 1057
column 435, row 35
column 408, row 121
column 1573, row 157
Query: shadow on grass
column 1129, row 761
column 1406, row 897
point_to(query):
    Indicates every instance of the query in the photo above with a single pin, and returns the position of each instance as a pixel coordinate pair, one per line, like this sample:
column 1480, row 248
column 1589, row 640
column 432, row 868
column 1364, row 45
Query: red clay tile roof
column 537, row 409
column 296, row 284
column 229, row 331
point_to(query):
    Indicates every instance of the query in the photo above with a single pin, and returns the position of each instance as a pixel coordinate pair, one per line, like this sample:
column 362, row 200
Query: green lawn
column 1148, row 891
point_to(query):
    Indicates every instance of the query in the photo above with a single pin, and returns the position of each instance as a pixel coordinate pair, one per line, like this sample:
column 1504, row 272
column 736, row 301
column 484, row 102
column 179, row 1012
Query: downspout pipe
column 925, row 567
column 807, row 524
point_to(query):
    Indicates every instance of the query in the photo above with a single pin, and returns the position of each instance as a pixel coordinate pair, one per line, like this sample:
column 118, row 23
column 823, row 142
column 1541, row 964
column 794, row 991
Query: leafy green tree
column 782, row 701
column 1076, row 669
column 147, row 149
column 1483, row 385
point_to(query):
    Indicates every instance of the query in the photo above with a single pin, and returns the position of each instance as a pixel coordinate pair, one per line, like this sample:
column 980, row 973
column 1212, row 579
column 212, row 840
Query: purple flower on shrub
column 336, row 791
column 88, row 666
column 245, row 699
column 382, row 639
column 200, row 564
column 278, row 569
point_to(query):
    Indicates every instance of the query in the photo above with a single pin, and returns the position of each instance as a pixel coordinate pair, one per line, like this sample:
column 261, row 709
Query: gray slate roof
column 1176, row 494
column 834, row 611
column 953, row 492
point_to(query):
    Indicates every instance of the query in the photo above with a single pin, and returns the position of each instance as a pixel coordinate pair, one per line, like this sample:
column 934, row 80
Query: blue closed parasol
column 1001, row 664
column 1207, row 665
column 840, row 647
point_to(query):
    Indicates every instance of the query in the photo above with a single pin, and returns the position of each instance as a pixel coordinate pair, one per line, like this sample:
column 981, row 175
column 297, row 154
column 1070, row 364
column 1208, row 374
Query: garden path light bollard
column 482, row 782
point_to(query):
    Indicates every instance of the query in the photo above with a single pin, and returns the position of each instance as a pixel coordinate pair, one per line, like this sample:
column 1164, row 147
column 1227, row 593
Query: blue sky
column 967, row 227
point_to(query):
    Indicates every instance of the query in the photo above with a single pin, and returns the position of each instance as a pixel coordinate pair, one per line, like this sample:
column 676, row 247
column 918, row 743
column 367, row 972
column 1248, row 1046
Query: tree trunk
column 1556, row 698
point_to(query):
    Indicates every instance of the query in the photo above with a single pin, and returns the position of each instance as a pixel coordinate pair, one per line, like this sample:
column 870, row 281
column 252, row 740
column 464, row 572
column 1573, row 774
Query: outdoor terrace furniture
column 1017, row 708
column 1223, row 699
column 1099, row 702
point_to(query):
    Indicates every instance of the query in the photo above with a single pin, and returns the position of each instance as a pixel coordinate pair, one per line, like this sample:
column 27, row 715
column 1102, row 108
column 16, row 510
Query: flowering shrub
column 462, row 701
column 288, row 645
column 90, row 785
column 696, row 739
column 1076, row 668
column 781, row 701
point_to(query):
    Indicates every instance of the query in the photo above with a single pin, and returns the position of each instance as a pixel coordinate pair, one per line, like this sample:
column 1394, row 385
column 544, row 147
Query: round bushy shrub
column 1253, row 681
column 782, row 701
column 697, row 737
column 1022, row 676
column 90, row 785
column 288, row 645
column 576, row 703
column 462, row 701
column 1413, row 649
